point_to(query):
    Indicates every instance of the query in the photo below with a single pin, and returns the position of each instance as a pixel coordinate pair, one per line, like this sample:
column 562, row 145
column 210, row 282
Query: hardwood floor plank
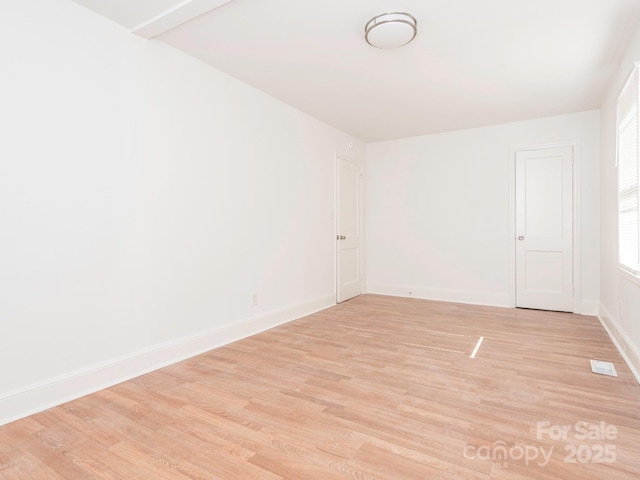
column 376, row 388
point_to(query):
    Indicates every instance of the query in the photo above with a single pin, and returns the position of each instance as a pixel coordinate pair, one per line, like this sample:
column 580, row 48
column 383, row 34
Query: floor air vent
column 603, row 368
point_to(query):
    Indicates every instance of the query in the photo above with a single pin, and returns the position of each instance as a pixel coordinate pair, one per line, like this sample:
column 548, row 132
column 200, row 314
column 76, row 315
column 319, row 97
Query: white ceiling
column 473, row 63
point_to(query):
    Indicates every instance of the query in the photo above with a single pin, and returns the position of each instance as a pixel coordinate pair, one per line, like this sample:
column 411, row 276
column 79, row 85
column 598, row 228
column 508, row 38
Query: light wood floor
column 375, row 388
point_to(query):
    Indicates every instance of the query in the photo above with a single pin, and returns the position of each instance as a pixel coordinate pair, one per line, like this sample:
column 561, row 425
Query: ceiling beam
column 176, row 15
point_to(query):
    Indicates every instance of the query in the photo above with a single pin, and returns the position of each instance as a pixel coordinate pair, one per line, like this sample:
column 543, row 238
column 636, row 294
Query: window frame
column 628, row 199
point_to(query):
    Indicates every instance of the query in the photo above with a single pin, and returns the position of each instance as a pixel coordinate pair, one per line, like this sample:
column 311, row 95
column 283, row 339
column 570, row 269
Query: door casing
column 339, row 159
column 575, row 144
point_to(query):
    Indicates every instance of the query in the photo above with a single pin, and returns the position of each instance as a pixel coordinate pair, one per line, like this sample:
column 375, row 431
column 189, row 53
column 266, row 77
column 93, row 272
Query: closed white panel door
column 348, row 231
column 544, row 229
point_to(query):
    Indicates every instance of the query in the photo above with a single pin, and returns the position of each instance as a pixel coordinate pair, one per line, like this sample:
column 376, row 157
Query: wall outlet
column 254, row 299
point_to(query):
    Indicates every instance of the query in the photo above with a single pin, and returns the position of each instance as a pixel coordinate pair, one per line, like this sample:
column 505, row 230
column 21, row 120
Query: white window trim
column 631, row 271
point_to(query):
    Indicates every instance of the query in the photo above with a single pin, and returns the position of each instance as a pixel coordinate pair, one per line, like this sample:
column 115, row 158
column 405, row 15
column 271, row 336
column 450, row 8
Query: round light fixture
column 390, row 30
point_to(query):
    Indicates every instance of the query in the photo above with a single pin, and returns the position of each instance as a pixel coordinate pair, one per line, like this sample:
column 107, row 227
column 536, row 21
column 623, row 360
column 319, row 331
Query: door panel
column 544, row 228
column 349, row 269
column 543, row 192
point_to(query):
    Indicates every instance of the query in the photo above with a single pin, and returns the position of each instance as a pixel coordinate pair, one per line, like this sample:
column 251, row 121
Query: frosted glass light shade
column 390, row 30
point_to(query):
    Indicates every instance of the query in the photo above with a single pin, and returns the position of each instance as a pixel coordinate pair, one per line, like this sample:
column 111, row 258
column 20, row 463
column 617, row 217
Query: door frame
column 576, row 253
column 335, row 216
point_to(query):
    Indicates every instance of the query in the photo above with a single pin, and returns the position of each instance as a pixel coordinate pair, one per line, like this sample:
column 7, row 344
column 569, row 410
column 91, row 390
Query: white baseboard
column 589, row 308
column 55, row 391
column 456, row 296
column 629, row 351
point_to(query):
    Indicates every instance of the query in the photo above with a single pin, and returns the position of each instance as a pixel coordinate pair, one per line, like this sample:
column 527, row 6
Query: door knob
column 520, row 237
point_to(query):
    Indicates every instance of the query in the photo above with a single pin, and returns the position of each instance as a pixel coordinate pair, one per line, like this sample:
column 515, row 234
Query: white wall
column 620, row 292
column 438, row 210
column 144, row 197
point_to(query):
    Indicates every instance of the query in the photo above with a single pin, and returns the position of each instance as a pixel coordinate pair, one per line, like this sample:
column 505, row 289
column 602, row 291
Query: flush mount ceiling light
column 390, row 30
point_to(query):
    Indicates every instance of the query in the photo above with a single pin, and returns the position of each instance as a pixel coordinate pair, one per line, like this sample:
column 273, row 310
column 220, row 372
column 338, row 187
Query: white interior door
column 349, row 269
column 544, row 228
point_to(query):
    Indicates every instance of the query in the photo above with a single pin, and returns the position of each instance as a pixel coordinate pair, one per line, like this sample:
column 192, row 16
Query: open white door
column 349, row 269
column 544, row 228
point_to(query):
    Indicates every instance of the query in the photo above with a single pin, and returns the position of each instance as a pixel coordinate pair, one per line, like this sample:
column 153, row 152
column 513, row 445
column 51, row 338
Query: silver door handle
column 341, row 237
column 520, row 237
